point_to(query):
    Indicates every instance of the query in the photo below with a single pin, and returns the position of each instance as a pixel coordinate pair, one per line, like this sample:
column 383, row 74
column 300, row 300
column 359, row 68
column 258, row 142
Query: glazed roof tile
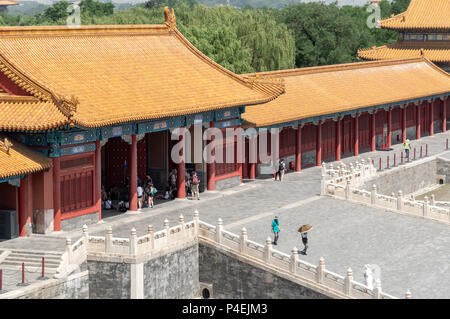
column 103, row 75
column 436, row 51
column 421, row 14
column 20, row 159
column 326, row 90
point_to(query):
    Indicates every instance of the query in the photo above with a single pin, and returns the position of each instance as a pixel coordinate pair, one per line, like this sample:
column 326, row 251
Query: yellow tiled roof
column 20, row 159
column 421, row 14
column 103, row 75
column 29, row 113
column 324, row 90
column 435, row 51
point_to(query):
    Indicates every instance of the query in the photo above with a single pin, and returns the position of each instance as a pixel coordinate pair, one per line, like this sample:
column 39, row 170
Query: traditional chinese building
column 329, row 112
column 5, row 3
column 424, row 30
column 92, row 105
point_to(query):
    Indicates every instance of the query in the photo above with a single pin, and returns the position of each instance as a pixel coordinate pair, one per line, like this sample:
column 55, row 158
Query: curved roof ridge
column 333, row 67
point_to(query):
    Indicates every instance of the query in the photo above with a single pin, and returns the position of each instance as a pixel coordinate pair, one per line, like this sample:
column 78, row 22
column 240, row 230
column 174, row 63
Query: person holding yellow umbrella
column 303, row 230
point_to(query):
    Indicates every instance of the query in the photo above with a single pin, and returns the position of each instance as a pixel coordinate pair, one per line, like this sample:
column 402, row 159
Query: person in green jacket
column 406, row 147
column 275, row 229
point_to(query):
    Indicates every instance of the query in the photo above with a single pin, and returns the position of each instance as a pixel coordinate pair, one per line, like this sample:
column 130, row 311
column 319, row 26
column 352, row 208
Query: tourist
column 281, row 170
column 152, row 192
column 187, row 184
column 368, row 278
column 194, row 186
column 275, row 229
column 406, row 147
column 305, row 242
column 140, row 193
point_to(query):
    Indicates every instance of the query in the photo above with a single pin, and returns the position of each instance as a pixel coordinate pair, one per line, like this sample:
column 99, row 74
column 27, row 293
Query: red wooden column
column 56, row 194
column 431, row 109
column 253, row 146
column 372, row 132
column 418, row 121
column 23, row 191
column 319, row 144
column 444, row 114
column 356, row 147
column 404, row 123
column 338, row 139
column 298, row 149
column 98, row 178
column 389, row 128
column 133, row 174
column 211, row 166
column 181, row 167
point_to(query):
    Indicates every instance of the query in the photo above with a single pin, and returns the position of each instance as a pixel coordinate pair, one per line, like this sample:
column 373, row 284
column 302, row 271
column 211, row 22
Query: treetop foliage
column 246, row 40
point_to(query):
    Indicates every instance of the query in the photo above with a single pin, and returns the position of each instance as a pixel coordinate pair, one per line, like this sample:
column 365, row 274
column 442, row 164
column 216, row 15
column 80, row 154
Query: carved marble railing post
column 196, row 221
column 181, row 222
column 294, row 257
column 348, row 282
column 347, row 190
column 219, row 228
column 69, row 250
column 373, row 195
column 268, row 250
column 151, row 236
column 133, row 242
column 323, row 185
column 377, row 292
column 425, row 206
column 108, row 239
column 432, row 200
column 166, row 229
column 400, row 201
column 324, row 168
column 320, row 270
column 243, row 241
column 408, row 294
column 363, row 168
column 85, row 236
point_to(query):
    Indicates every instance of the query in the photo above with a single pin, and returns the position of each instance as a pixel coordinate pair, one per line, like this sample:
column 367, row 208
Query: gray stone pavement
column 412, row 253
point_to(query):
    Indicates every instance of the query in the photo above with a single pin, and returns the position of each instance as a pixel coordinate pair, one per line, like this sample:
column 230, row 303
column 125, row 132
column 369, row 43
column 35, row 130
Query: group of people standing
column 146, row 193
column 192, row 182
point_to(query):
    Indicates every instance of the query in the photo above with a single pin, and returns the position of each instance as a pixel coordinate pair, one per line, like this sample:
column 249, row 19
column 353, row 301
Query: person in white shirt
column 140, row 193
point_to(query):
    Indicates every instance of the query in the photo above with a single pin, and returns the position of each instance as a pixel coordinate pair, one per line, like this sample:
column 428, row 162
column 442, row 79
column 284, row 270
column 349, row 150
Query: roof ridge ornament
column 5, row 145
column 170, row 19
column 67, row 105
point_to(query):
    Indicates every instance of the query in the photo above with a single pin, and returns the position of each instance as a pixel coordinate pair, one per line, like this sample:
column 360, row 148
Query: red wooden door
column 287, row 142
column 117, row 152
column 328, row 140
column 347, row 135
column 364, row 132
column 424, row 120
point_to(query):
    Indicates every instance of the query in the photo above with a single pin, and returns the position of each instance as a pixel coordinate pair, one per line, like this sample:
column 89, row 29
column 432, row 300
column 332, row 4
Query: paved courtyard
column 412, row 253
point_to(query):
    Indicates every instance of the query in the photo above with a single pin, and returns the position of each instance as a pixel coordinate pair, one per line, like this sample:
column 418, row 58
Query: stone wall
column 75, row 286
column 172, row 276
column 234, row 278
column 443, row 169
column 409, row 178
column 109, row 280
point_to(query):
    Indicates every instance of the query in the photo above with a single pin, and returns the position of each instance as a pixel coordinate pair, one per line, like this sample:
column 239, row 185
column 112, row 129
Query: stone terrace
column 412, row 253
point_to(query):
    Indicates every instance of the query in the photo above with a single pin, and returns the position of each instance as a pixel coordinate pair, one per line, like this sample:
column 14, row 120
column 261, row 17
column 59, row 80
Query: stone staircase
column 13, row 259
